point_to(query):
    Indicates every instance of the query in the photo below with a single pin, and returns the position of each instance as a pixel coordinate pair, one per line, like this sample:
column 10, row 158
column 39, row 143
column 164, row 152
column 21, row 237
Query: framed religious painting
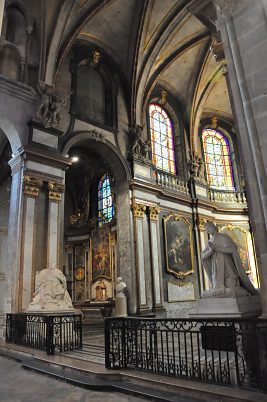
column 101, row 253
column 178, row 245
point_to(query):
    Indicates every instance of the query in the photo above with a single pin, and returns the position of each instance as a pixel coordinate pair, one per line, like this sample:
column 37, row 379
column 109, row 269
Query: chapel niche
column 90, row 228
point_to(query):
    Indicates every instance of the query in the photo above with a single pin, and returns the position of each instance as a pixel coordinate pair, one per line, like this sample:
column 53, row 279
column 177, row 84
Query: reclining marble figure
column 50, row 292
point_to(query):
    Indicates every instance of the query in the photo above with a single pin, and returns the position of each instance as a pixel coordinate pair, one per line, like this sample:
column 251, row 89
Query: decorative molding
column 153, row 213
column 139, row 210
column 55, row 191
column 96, row 135
column 31, row 185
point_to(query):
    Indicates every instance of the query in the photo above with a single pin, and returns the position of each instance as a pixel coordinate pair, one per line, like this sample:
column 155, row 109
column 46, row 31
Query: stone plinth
column 121, row 306
column 228, row 307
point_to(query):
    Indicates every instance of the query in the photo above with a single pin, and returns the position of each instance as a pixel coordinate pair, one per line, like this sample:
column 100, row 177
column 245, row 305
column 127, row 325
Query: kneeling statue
column 223, row 266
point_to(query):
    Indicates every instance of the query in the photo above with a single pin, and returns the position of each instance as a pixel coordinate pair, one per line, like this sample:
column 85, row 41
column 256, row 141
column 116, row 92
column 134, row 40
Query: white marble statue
column 120, row 300
column 50, row 292
column 223, row 266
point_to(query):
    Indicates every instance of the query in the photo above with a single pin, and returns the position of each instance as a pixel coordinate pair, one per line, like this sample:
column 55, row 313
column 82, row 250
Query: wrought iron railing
column 223, row 352
column 229, row 197
column 45, row 332
column 170, row 181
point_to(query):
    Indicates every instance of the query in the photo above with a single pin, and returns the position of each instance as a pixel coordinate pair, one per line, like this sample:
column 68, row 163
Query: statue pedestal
column 121, row 306
column 228, row 307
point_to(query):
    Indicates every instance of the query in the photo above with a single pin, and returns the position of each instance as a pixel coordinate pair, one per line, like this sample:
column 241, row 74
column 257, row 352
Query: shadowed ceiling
column 153, row 42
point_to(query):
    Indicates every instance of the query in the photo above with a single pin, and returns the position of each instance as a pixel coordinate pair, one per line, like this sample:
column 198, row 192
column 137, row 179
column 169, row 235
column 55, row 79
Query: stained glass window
column 217, row 158
column 106, row 208
column 161, row 139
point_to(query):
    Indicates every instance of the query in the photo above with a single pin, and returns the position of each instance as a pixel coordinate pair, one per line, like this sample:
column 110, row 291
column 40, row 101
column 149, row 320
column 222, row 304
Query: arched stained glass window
column 161, row 134
column 106, row 208
column 217, row 158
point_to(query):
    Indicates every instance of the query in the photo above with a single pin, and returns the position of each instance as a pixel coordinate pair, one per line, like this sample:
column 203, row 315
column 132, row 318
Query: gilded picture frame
column 178, row 245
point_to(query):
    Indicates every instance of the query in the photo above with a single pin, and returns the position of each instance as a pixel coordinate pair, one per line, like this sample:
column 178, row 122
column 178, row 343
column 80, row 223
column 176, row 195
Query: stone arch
column 11, row 133
column 104, row 147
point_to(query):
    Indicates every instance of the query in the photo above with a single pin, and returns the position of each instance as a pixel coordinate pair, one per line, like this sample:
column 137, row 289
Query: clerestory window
column 162, row 143
column 219, row 169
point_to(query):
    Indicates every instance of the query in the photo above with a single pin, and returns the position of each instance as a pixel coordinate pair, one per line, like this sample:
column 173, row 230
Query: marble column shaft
column 55, row 191
column 31, row 186
column 155, row 256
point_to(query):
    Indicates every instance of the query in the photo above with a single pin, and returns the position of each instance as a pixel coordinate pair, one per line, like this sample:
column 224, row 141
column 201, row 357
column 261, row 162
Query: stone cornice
column 17, row 89
column 51, row 159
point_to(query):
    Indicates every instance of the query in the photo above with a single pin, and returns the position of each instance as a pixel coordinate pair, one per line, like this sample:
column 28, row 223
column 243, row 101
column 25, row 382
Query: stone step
column 87, row 380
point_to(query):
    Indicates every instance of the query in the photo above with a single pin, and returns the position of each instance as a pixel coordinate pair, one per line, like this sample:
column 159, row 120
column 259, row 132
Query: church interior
column 126, row 126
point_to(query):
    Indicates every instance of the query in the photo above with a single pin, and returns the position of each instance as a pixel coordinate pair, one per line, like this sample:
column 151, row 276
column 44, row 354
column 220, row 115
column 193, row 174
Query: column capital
column 55, row 191
column 139, row 210
column 31, row 185
column 226, row 8
column 153, row 213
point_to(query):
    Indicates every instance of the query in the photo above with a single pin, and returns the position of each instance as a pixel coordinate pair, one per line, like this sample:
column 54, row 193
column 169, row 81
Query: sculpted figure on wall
column 140, row 147
column 50, row 105
column 223, row 266
column 50, row 292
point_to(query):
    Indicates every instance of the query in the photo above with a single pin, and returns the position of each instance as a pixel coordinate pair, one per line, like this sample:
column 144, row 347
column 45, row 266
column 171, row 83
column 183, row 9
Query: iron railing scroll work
column 228, row 352
column 51, row 333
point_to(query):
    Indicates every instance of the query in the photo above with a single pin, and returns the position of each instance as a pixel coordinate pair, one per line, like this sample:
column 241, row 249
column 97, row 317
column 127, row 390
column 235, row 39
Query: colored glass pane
column 106, row 208
column 161, row 139
column 217, row 159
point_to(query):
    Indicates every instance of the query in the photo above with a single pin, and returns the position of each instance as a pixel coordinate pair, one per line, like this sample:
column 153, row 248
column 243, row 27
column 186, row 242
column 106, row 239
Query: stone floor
column 20, row 385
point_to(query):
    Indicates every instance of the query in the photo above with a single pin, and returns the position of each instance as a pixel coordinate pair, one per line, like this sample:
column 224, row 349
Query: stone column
column 2, row 6
column 125, row 244
column 243, row 26
column 31, row 186
column 155, row 258
column 55, row 191
column 11, row 296
column 139, row 214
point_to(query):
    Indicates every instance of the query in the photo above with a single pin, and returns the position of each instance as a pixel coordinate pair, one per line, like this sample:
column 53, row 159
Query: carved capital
column 139, row 210
column 153, row 213
column 201, row 223
column 31, row 185
column 226, row 8
column 55, row 191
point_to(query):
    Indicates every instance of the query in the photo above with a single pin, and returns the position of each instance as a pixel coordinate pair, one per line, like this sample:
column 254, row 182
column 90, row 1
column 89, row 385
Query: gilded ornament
column 153, row 213
column 55, row 191
column 31, row 185
column 139, row 210
column 79, row 273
